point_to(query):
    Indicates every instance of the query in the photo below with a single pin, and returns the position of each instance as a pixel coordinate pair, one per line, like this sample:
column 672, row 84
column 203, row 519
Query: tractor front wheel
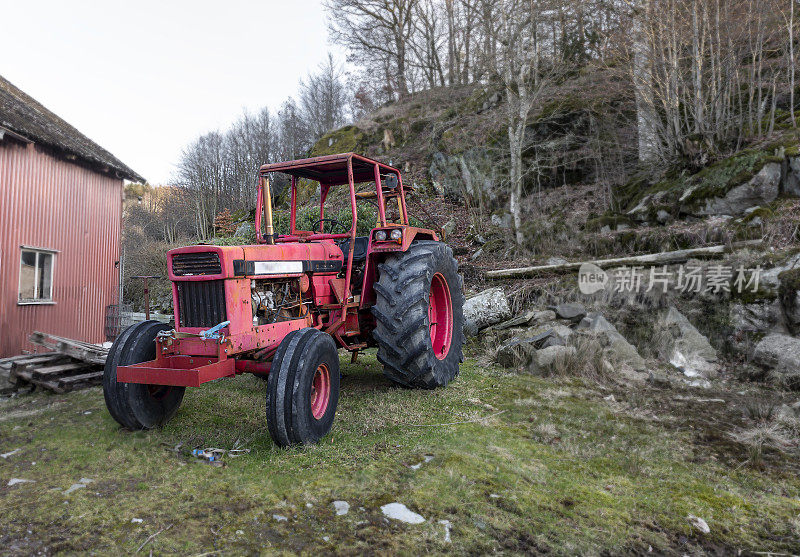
column 419, row 316
column 133, row 405
column 302, row 388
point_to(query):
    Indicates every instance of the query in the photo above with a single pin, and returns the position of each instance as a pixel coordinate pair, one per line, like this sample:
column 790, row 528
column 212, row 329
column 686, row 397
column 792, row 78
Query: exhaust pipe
column 270, row 234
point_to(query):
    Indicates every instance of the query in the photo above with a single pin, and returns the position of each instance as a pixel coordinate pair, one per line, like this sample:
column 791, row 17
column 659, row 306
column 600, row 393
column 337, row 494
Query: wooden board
column 57, row 372
column 77, row 349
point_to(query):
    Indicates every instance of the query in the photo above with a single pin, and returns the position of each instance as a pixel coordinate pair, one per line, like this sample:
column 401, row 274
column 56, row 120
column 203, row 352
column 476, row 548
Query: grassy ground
column 555, row 467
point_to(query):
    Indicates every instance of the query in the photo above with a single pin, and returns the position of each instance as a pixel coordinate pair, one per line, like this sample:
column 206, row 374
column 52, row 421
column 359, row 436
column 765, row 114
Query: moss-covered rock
column 730, row 186
column 343, row 140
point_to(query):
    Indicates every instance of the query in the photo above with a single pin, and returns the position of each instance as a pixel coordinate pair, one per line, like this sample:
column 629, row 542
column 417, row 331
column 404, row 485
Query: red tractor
column 283, row 308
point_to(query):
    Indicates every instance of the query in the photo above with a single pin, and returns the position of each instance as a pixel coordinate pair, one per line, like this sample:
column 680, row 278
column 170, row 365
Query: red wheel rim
column 440, row 316
column 320, row 391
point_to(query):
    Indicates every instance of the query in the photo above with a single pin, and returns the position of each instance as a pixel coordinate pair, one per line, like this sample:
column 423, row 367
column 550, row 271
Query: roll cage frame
column 337, row 170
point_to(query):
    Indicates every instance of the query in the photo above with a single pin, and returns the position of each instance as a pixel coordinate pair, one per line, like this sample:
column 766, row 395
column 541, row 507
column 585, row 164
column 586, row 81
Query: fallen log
column 663, row 258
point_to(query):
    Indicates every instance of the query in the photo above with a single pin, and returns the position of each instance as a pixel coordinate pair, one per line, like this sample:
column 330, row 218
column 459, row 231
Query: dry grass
column 772, row 430
column 764, row 436
column 587, row 362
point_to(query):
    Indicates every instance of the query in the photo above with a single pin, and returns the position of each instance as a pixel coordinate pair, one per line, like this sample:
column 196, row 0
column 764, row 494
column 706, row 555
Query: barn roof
column 22, row 115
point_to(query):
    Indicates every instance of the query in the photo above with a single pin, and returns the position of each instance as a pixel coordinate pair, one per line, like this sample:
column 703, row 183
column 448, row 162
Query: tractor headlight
column 380, row 235
column 396, row 234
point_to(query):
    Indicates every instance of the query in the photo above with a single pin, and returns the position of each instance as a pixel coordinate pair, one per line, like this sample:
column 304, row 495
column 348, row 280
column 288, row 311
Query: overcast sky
column 144, row 78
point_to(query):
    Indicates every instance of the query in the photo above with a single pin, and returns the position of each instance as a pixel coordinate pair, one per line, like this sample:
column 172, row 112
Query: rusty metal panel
column 51, row 203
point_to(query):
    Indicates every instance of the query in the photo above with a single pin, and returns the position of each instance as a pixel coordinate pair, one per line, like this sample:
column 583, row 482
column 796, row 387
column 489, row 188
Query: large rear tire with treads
column 419, row 316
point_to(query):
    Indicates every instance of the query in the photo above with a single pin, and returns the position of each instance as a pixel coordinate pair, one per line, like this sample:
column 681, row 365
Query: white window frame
column 44, row 251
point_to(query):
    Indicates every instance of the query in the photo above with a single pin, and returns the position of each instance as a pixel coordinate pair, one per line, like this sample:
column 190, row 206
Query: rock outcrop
column 678, row 341
column 761, row 189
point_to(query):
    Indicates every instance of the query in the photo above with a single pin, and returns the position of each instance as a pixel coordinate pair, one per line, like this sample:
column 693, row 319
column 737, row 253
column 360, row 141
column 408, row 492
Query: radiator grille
column 193, row 264
column 201, row 303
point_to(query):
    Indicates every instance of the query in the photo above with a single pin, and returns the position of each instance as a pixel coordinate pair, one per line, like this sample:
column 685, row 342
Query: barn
column 60, row 220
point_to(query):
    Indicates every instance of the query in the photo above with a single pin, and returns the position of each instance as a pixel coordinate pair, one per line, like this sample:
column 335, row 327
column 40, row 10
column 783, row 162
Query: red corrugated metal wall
column 51, row 203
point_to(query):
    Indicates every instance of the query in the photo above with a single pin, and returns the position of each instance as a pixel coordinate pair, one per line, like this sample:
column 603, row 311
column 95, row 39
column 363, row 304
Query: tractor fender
column 376, row 255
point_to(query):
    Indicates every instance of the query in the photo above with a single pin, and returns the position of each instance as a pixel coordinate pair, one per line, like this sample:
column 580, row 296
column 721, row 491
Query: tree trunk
column 646, row 117
column 791, row 63
column 515, row 176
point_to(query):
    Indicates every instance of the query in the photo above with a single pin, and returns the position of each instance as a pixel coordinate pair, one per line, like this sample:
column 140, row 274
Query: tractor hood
column 205, row 262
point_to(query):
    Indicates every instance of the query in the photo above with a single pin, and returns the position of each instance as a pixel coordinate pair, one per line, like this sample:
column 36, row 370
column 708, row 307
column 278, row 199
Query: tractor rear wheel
column 302, row 388
column 419, row 316
column 134, row 405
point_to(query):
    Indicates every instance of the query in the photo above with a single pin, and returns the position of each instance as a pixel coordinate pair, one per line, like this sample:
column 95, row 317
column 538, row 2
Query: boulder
column 472, row 171
column 545, row 316
column 519, row 350
column 684, row 346
column 570, row 312
column 553, row 340
column 762, row 316
column 6, row 384
column 487, row 308
column 615, row 347
column 562, row 331
column 448, row 228
column 791, row 184
column 544, row 359
column 761, row 189
column 587, row 322
column 245, row 230
column 530, row 317
column 769, row 279
column 518, row 321
column 780, row 356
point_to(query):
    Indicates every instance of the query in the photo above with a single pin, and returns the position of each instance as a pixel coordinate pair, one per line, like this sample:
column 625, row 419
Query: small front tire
column 303, row 388
column 134, row 405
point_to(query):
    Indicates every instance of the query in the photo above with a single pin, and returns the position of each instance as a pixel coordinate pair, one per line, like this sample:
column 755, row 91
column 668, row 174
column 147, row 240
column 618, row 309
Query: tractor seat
column 360, row 250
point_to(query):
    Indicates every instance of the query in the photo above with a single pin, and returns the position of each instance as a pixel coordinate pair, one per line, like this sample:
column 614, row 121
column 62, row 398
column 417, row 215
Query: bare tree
column 294, row 138
column 323, row 99
column 220, row 168
column 426, row 43
column 377, row 32
column 521, row 68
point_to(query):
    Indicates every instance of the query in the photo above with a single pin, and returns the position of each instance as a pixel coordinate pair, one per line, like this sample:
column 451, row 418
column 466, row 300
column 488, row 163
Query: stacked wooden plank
column 83, row 351
column 70, row 364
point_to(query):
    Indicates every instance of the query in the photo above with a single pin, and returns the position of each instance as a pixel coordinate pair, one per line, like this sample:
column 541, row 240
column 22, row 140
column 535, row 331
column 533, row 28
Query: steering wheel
column 334, row 224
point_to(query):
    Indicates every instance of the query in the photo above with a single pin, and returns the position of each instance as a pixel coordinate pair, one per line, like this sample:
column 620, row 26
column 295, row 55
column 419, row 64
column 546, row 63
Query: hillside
column 587, row 196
